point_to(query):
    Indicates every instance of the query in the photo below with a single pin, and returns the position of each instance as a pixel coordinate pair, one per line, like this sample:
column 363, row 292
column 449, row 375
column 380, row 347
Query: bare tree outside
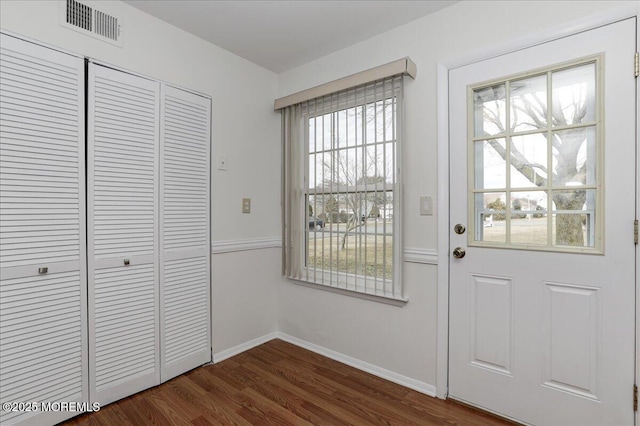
column 566, row 128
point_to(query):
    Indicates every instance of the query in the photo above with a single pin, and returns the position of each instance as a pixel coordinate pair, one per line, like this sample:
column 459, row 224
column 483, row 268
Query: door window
column 535, row 160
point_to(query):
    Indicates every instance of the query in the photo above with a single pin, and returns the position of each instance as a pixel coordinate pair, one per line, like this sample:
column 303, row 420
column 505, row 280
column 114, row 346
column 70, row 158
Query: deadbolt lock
column 459, row 229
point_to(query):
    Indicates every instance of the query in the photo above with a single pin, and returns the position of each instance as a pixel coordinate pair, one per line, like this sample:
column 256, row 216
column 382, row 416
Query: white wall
column 403, row 339
column 246, row 285
column 244, row 128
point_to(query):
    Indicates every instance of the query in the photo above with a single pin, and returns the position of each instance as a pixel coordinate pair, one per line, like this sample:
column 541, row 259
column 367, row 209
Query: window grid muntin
column 596, row 230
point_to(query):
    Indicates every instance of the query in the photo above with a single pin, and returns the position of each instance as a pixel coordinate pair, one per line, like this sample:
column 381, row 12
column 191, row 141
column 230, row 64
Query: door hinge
column 635, row 231
column 636, row 65
column 635, row 397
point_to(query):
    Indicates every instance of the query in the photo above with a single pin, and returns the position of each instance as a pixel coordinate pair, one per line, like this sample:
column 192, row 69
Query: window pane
column 341, row 167
column 574, row 95
column 574, row 218
column 360, row 256
column 371, row 123
column 316, row 171
column 349, row 243
column 528, row 161
column 343, row 126
column 528, row 218
column 357, row 127
column 312, row 134
column 378, row 163
column 389, row 162
column 489, row 111
column 490, row 165
column 490, row 216
column 389, row 119
column 529, row 104
column 574, row 157
column 316, row 211
column 324, row 133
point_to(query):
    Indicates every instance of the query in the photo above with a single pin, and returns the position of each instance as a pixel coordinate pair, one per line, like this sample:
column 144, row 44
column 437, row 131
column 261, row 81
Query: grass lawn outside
column 366, row 254
column 525, row 231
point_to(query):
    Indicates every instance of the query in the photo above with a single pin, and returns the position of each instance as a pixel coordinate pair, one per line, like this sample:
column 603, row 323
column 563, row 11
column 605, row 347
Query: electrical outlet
column 246, row 205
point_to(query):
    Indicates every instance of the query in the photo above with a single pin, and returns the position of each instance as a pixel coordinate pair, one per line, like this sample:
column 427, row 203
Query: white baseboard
column 400, row 379
column 361, row 365
column 228, row 353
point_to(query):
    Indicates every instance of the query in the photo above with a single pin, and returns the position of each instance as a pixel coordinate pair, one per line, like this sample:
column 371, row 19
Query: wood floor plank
column 162, row 401
column 282, row 384
column 139, row 410
column 223, row 413
column 382, row 396
column 313, row 396
column 275, row 388
column 275, row 412
column 201, row 421
column 220, row 393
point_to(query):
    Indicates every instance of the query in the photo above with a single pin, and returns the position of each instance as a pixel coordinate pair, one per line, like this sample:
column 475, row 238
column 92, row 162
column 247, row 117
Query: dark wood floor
column 280, row 383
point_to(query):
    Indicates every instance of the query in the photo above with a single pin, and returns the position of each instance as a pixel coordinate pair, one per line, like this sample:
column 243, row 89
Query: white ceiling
column 280, row 35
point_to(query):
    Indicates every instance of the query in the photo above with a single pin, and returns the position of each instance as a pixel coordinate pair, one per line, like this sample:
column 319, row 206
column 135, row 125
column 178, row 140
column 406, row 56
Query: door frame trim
column 626, row 11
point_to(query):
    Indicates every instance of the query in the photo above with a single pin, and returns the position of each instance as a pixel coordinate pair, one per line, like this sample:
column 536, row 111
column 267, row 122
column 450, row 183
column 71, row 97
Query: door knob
column 459, row 229
column 459, row 252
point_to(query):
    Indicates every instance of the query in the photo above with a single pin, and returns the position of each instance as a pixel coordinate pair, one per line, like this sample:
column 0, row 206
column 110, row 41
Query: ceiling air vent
column 85, row 18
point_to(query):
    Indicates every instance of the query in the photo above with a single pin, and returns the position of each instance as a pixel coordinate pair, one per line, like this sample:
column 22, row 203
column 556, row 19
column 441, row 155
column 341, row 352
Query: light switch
column 246, row 205
column 426, row 206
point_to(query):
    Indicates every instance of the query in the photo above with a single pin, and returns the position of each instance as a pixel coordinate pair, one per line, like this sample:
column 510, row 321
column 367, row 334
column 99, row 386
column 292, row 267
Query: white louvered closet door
column 122, row 161
column 184, row 231
column 43, row 327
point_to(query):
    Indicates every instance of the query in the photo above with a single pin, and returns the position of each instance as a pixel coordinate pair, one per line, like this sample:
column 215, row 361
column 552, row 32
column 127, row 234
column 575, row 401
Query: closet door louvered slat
column 123, row 149
column 43, row 311
column 184, row 231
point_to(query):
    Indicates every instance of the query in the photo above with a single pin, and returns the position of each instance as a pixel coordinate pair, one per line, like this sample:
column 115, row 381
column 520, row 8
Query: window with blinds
column 342, row 163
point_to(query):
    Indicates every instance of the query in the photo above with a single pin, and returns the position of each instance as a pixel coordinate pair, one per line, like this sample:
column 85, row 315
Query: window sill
column 387, row 300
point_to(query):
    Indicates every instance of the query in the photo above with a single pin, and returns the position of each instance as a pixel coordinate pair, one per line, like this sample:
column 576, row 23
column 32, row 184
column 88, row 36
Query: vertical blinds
column 341, row 189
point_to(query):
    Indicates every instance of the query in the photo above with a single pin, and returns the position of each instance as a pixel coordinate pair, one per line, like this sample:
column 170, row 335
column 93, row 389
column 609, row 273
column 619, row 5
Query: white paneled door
column 184, row 231
column 123, row 223
column 43, row 310
column 542, row 281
